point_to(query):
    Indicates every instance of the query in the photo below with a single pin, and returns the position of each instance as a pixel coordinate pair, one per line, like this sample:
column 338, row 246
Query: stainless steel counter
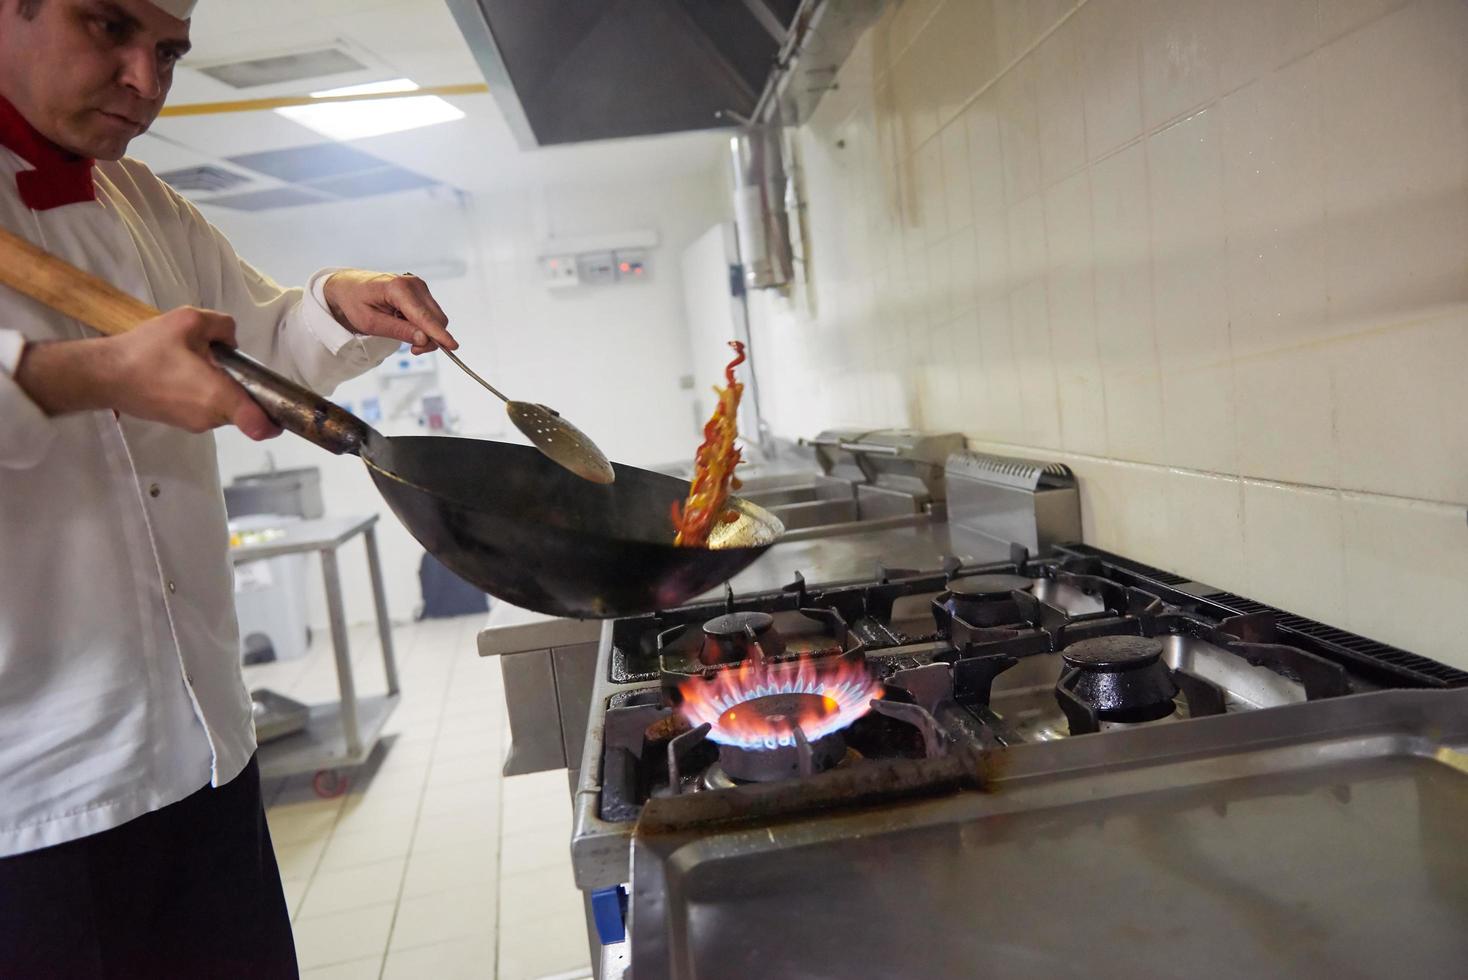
column 298, row 537
column 511, row 629
column 852, row 556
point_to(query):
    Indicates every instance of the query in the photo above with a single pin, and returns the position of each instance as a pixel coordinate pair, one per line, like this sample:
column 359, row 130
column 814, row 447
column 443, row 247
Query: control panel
column 601, row 260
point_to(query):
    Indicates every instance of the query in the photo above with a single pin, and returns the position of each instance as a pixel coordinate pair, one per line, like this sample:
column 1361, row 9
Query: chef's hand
column 169, row 376
column 161, row 371
column 379, row 304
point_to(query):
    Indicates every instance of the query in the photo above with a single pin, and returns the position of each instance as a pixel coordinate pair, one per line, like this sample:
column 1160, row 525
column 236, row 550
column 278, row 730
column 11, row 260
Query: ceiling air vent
column 203, row 180
column 283, row 68
column 268, row 199
column 312, row 162
column 314, row 174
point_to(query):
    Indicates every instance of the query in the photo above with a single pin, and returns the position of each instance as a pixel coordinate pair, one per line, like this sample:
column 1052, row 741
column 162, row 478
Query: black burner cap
column 732, row 625
column 1113, row 652
column 982, row 586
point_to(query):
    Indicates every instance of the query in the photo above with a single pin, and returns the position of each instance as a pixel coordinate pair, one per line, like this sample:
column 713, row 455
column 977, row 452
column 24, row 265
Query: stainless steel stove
column 912, row 773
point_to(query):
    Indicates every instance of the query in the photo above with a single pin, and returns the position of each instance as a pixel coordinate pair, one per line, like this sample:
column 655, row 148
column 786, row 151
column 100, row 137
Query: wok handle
column 102, row 306
column 292, row 406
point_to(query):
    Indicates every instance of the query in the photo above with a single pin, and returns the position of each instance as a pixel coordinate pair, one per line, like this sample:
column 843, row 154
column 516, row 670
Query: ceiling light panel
column 370, row 88
column 374, row 117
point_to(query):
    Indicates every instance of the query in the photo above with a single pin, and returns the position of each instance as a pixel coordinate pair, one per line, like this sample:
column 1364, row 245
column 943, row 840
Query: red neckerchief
column 59, row 178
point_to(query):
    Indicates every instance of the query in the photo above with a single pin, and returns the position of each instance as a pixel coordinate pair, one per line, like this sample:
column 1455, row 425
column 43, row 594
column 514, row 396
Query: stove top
column 958, row 661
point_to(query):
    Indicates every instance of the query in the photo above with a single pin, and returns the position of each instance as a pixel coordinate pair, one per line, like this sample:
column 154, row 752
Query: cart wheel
column 329, row 783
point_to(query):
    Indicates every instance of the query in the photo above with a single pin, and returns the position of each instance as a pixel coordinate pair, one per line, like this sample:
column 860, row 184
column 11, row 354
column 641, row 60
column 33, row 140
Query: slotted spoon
column 551, row 434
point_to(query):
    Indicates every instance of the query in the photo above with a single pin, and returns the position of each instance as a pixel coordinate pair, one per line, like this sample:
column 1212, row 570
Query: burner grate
column 1376, row 661
column 1359, row 652
column 949, row 683
column 1136, row 567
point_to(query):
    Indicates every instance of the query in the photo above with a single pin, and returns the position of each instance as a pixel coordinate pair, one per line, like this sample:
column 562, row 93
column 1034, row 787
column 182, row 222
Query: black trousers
column 190, row 890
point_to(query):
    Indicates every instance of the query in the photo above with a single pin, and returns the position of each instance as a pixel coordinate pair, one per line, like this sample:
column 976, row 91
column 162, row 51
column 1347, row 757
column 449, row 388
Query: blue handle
column 609, row 909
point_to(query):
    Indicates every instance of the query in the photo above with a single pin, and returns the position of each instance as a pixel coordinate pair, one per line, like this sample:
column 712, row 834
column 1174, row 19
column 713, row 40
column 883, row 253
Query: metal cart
column 339, row 734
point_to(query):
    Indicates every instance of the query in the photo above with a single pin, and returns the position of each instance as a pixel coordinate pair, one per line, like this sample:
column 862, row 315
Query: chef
column 132, row 838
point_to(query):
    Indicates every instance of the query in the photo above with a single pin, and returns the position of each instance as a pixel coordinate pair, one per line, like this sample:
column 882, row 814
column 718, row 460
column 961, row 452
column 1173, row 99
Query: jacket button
column 154, row 490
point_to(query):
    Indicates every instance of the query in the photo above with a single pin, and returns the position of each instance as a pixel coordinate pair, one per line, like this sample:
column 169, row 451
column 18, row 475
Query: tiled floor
column 431, row 865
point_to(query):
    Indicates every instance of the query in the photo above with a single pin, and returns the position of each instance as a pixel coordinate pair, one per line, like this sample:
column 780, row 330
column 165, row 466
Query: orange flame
column 820, row 696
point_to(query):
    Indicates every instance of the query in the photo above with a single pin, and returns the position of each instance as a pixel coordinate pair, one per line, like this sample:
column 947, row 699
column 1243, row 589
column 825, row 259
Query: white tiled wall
column 1211, row 253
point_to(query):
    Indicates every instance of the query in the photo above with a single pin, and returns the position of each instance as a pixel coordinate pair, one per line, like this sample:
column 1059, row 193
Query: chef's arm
column 160, row 371
column 345, row 322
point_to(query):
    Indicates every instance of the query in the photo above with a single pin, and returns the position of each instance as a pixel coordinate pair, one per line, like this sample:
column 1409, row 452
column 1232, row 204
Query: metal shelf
column 343, row 733
column 322, row 744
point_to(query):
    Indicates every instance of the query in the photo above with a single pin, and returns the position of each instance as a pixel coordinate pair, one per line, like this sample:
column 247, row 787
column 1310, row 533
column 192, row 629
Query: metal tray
column 276, row 715
column 1319, row 839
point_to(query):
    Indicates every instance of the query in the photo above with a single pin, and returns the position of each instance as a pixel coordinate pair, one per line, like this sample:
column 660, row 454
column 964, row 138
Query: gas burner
column 774, row 720
column 691, row 649
column 731, row 625
column 1111, row 653
column 785, row 761
column 980, row 600
column 1114, row 679
column 989, row 586
column 717, row 776
column 728, row 638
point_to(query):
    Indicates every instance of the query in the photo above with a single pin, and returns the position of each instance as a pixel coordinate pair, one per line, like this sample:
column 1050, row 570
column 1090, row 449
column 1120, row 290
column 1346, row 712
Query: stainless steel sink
column 802, row 500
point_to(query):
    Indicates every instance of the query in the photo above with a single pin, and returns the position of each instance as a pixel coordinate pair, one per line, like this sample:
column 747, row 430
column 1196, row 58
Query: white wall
column 609, row 358
column 1211, row 253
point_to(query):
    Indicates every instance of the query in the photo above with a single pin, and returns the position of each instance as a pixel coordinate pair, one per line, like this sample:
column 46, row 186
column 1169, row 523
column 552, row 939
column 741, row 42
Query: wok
column 501, row 516
column 519, row 525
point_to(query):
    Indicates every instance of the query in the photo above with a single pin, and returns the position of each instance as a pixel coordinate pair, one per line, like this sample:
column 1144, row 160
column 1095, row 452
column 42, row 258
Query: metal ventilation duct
column 757, row 167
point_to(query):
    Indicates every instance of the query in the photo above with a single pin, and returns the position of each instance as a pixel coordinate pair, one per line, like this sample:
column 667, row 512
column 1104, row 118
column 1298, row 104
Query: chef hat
column 182, row 9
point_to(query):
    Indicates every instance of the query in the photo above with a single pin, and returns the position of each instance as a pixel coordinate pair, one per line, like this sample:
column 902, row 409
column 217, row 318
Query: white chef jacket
column 120, row 682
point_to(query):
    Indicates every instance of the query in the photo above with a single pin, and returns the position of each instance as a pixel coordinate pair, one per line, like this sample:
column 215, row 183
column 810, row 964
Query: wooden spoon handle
column 68, row 290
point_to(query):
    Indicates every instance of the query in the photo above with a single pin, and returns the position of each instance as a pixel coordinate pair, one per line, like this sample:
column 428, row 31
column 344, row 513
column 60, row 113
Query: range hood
column 568, row 71
column 599, row 69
